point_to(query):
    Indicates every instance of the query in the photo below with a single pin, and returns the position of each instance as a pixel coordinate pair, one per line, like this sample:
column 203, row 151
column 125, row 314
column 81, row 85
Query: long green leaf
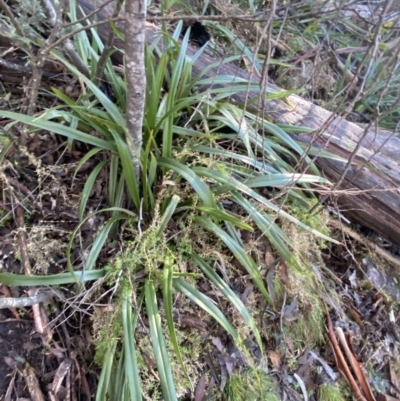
column 85, row 158
column 240, row 253
column 113, row 180
column 158, row 342
column 176, row 76
column 167, row 298
column 269, row 228
column 231, row 184
column 195, row 181
column 21, row 280
column 100, row 241
column 59, row 129
column 225, row 216
column 127, row 167
column 87, row 114
column 206, row 304
column 281, row 180
column 131, row 366
column 110, row 107
column 154, row 93
column 118, row 384
column 71, row 241
column 230, row 295
column 87, row 189
column 105, row 376
column 262, row 166
column 169, row 211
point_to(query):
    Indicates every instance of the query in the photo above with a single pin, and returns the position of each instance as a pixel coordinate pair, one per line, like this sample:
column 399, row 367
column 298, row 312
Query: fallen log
column 370, row 190
column 369, row 195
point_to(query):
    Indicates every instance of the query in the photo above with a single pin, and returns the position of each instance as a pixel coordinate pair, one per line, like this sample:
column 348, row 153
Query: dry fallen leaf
column 358, row 372
column 217, row 343
column 276, row 360
column 284, row 274
column 250, row 68
column 200, row 388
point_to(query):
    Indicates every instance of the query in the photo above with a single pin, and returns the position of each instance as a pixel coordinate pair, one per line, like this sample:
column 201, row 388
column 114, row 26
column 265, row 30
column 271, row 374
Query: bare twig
column 14, row 66
column 49, row 11
column 24, row 301
column 10, row 15
column 383, row 253
column 7, row 293
column 374, row 46
column 32, row 384
column 257, row 17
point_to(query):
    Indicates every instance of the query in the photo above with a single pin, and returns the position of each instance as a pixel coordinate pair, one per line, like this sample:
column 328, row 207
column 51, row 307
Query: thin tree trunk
column 135, row 74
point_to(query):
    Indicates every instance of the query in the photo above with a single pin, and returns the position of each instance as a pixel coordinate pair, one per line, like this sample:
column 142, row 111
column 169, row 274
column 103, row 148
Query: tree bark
column 135, row 74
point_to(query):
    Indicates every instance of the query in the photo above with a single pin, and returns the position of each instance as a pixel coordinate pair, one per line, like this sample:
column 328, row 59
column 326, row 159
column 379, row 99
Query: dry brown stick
column 10, row 387
column 355, row 365
column 7, row 293
column 32, row 383
column 15, row 66
column 384, row 254
column 60, row 375
column 340, row 360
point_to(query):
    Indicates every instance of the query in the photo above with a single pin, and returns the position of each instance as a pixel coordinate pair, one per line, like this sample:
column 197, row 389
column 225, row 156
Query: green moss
column 331, row 392
column 310, row 312
column 248, row 386
column 297, row 44
column 4, row 216
column 147, row 252
column 107, row 330
column 315, row 221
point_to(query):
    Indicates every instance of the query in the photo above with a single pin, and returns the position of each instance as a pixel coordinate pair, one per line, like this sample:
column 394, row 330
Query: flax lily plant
column 206, row 166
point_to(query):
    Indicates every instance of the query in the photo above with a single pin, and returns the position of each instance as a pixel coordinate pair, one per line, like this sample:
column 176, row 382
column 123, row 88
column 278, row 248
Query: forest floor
column 40, row 212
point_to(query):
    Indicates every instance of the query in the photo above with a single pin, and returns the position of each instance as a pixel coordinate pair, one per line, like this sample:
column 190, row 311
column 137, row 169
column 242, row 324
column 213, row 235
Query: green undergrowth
column 192, row 230
column 144, row 256
column 204, row 221
column 243, row 385
column 333, row 392
column 302, row 291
